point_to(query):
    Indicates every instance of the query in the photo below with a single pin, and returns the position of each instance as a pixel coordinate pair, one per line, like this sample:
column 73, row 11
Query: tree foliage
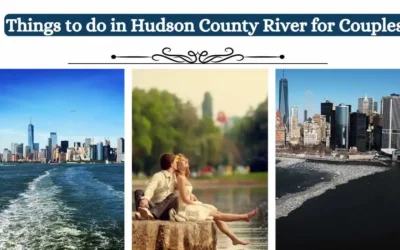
column 164, row 123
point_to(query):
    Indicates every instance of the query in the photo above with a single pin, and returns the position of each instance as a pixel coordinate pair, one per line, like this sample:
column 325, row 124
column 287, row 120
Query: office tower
column 87, row 142
column 284, row 100
column 120, row 149
column 106, row 141
column 36, row 146
column 64, row 146
column 49, row 151
column 27, row 152
column 53, row 136
column 305, row 115
column 280, row 136
column 366, row 105
column 377, row 132
column 100, row 151
column 376, row 107
column 391, row 122
column 31, row 135
column 93, row 152
column 77, row 144
column 294, row 126
column 120, row 145
column 106, row 152
column 358, row 131
column 7, row 155
column 20, row 151
column 327, row 109
column 311, row 133
column 342, row 126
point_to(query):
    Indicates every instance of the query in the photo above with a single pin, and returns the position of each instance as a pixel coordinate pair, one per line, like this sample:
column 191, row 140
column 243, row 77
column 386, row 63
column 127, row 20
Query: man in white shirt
column 159, row 198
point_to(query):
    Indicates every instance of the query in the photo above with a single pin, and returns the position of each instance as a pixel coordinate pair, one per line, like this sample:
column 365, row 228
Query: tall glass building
column 342, row 126
column 53, row 137
column 391, row 121
column 100, row 151
column 284, row 100
column 31, row 133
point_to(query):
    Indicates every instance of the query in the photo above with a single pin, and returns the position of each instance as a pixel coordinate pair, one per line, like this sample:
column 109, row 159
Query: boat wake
column 38, row 219
column 341, row 174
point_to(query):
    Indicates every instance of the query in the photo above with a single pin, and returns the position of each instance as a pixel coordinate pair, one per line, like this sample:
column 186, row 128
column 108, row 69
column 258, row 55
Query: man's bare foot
column 252, row 214
column 137, row 216
column 240, row 242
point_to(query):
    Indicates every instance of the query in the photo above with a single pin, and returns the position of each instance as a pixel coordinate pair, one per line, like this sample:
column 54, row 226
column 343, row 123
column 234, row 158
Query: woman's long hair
column 179, row 158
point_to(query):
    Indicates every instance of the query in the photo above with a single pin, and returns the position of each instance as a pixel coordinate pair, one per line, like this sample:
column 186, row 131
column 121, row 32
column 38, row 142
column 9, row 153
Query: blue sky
column 49, row 96
column 308, row 88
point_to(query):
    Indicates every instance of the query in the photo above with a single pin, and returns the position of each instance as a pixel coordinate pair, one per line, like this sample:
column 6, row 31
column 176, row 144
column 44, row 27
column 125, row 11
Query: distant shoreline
column 211, row 183
column 309, row 158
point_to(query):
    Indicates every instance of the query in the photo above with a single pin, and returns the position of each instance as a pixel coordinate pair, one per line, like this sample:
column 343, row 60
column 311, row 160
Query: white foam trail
column 341, row 175
column 38, row 219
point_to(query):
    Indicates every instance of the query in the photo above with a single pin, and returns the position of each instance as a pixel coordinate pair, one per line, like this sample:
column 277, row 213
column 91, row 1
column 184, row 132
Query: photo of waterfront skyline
column 61, row 159
column 337, row 158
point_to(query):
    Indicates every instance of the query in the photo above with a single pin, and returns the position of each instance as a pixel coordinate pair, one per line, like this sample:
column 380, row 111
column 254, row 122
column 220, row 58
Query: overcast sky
column 233, row 91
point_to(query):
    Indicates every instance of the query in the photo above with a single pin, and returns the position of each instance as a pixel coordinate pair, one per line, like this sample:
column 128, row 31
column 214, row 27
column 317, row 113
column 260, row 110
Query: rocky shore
column 165, row 235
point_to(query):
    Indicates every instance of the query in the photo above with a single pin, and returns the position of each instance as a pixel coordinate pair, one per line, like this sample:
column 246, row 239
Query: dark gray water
column 62, row 207
column 240, row 200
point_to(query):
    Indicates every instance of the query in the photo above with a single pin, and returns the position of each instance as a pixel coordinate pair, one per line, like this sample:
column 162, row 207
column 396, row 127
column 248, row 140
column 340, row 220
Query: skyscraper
column 358, row 131
column 342, row 126
column 366, row 105
column 36, row 146
column 53, row 136
column 49, row 150
column 64, row 146
column 391, row 122
column 100, row 151
column 77, row 144
column 376, row 107
column 284, row 99
column 87, row 142
column 327, row 109
column 305, row 115
column 31, row 133
column 120, row 145
column 120, row 149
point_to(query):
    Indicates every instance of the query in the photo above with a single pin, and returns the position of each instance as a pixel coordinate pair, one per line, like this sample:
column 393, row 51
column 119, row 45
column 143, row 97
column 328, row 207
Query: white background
column 339, row 52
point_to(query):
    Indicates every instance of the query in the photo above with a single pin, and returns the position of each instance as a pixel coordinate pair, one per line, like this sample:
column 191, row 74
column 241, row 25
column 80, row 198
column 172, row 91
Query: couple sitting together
column 159, row 200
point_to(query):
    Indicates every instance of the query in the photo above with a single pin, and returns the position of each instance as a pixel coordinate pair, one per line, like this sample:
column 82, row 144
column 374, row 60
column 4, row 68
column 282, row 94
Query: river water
column 62, row 207
column 240, row 200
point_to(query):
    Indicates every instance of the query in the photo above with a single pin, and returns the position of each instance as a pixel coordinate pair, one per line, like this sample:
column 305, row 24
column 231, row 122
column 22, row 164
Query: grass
column 250, row 176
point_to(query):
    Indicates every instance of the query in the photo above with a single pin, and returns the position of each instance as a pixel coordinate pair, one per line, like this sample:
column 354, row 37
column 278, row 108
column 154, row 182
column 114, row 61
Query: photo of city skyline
column 75, row 111
column 62, row 159
column 337, row 158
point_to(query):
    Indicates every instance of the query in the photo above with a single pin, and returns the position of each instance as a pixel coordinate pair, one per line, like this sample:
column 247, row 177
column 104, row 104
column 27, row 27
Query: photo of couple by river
column 200, row 168
column 337, row 159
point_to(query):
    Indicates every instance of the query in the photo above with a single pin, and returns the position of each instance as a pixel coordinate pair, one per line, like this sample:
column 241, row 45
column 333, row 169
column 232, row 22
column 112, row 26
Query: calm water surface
column 240, row 200
column 62, row 207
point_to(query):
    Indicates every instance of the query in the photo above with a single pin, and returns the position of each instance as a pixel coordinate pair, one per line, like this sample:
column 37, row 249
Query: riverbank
column 252, row 179
column 336, row 160
column 360, row 214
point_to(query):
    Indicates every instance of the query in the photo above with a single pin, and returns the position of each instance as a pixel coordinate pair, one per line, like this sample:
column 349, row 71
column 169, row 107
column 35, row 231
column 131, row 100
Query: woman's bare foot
column 240, row 242
column 252, row 214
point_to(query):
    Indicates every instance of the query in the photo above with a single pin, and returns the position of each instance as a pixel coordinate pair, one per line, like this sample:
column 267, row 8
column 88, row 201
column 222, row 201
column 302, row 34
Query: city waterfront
column 62, row 207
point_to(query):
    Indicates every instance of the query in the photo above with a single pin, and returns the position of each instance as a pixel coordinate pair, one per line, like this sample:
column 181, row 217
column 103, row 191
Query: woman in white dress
column 193, row 210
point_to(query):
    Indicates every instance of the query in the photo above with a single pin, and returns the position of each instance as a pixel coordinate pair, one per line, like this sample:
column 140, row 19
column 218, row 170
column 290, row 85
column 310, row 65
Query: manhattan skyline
column 76, row 104
column 309, row 88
